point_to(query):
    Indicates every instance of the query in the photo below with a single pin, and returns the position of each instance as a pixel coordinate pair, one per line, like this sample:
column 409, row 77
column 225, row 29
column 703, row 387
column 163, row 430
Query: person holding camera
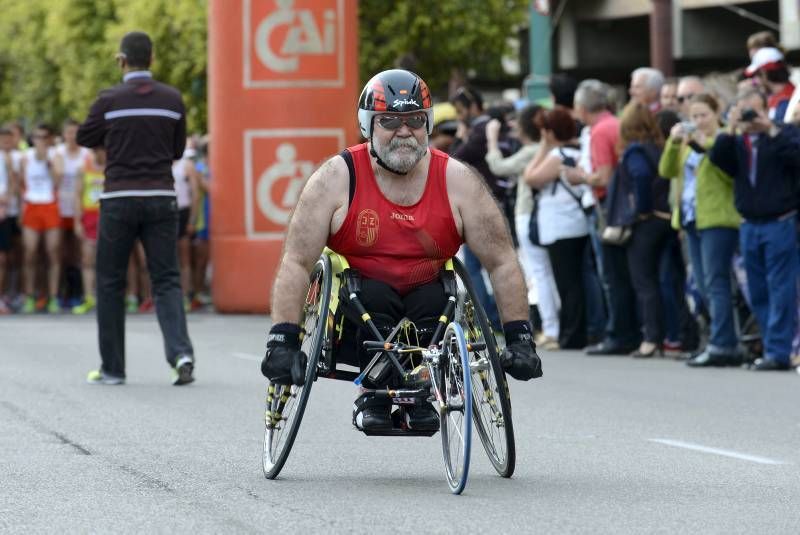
column 702, row 200
column 764, row 160
column 562, row 221
column 469, row 147
column 534, row 259
column 769, row 67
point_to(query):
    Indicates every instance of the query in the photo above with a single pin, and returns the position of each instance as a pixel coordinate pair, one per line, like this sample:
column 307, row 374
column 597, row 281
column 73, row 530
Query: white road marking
column 246, row 356
column 716, row 451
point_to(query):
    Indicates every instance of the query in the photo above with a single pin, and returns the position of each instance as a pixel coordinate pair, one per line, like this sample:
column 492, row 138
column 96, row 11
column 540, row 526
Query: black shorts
column 423, row 306
column 183, row 221
column 5, row 235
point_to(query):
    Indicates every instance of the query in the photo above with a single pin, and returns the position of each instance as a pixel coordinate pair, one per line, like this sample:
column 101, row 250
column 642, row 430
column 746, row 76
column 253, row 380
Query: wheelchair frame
column 484, row 389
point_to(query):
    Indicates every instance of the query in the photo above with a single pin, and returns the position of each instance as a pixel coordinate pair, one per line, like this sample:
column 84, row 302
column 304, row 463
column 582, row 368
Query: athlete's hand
column 519, row 358
column 284, row 362
column 521, row 362
column 79, row 230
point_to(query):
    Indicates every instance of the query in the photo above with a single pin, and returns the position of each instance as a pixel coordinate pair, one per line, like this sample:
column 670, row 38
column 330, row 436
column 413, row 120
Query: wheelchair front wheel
column 455, row 407
column 491, row 399
column 286, row 403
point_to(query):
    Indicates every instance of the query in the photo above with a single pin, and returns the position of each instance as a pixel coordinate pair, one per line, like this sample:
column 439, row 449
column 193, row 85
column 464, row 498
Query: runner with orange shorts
column 88, row 189
column 40, row 217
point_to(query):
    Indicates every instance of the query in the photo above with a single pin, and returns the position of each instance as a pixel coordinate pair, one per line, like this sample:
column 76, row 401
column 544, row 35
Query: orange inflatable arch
column 283, row 84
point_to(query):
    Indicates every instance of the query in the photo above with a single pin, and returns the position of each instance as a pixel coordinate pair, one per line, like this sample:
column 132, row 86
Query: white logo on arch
column 294, row 43
column 304, row 36
column 277, row 163
column 286, row 167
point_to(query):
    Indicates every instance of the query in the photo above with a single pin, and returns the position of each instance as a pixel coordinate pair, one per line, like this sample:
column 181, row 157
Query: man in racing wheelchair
column 397, row 211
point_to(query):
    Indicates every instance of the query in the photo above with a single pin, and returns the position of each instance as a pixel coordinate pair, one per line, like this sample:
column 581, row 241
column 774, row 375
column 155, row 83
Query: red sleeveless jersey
column 403, row 246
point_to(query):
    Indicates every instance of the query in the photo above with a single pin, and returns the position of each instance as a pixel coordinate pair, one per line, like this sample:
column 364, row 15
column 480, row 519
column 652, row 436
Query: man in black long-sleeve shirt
column 764, row 161
column 142, row 125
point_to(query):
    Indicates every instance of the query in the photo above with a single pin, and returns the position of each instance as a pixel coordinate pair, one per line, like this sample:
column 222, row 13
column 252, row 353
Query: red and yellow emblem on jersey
column 367, row 227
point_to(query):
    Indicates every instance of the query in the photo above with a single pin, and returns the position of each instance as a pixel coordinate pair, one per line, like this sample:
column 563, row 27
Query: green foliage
column 57, row 54
column 178, row 31
column 442, row 36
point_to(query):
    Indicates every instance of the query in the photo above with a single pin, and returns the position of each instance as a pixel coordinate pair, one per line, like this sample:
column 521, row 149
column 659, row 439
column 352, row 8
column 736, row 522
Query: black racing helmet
column 395, row 90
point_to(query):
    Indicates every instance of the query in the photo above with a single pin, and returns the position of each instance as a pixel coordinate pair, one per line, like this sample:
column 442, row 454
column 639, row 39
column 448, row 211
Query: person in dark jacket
column 641, row 143
column 142, row 125
column 470, row 147
column 764, row 161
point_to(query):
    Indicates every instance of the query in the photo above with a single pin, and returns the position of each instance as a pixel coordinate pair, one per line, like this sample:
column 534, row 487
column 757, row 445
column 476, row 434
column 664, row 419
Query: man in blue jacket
column 764, row 160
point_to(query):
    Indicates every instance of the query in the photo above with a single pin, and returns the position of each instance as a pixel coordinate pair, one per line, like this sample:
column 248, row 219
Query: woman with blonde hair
column 640, row 144
column 702, row 201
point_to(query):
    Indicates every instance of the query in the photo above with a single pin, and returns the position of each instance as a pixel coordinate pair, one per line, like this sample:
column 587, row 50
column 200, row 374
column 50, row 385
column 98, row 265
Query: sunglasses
column 393, row 122
column 682, row 98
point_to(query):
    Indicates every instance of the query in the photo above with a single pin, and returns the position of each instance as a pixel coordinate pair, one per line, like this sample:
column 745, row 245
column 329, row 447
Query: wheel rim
column 288, row 401
column 491, row 407
column 456, row 411
column 487, row 406
column 488, row 413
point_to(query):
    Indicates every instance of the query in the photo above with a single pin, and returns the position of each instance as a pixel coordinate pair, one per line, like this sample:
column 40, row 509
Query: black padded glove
column 519, row 358
column 284, row 363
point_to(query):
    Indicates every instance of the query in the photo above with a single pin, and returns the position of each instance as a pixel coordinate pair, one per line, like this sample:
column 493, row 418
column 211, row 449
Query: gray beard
column 401, row 154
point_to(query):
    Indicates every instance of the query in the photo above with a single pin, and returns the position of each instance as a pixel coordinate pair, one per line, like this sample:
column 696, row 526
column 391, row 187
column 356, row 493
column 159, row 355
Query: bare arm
column 487, row 235
column 544, row 172
column 79, row 204
column 9, row 187
column 56, row 166
column 308, row 231
column 20, row 178
column 194, row 186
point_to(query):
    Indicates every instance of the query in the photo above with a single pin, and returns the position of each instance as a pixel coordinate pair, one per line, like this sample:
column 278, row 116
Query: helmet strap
column 381, row 162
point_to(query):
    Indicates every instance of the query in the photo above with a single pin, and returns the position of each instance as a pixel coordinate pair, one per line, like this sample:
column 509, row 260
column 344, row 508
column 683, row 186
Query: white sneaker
column 183, row 370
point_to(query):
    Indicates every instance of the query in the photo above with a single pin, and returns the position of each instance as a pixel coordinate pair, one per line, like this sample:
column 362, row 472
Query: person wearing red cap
column 769, row 65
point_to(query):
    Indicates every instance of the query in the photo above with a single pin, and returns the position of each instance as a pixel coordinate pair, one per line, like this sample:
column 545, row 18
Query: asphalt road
column 604, row 445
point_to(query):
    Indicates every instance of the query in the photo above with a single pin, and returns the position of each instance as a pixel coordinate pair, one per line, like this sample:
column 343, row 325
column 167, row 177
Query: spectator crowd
column 49, row 213
column 668, row 227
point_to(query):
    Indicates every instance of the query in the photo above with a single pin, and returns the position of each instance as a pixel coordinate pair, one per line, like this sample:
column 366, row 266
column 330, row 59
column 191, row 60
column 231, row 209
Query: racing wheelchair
column 459, row 369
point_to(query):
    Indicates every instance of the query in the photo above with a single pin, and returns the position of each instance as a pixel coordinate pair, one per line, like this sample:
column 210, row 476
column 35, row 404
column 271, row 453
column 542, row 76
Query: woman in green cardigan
column 702, row 201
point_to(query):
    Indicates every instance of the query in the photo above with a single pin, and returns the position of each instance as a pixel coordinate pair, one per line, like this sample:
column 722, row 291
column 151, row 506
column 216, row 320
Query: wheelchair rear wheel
column 491, row 399
column 455, row 407
column 286, row 403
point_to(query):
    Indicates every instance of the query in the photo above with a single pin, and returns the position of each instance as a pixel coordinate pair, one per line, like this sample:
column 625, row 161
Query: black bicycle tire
column 503, row 469
column 311, row 369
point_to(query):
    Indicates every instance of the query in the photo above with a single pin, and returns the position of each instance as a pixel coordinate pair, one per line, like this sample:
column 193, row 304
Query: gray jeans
column 153, row 220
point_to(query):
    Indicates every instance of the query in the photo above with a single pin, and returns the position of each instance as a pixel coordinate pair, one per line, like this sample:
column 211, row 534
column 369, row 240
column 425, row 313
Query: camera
column 748, row 114
column 688, row 127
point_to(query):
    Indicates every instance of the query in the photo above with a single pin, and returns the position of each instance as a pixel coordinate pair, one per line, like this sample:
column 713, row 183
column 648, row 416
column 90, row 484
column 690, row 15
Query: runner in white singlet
column 68, row 159
column 186, row 190
column 40, row 218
